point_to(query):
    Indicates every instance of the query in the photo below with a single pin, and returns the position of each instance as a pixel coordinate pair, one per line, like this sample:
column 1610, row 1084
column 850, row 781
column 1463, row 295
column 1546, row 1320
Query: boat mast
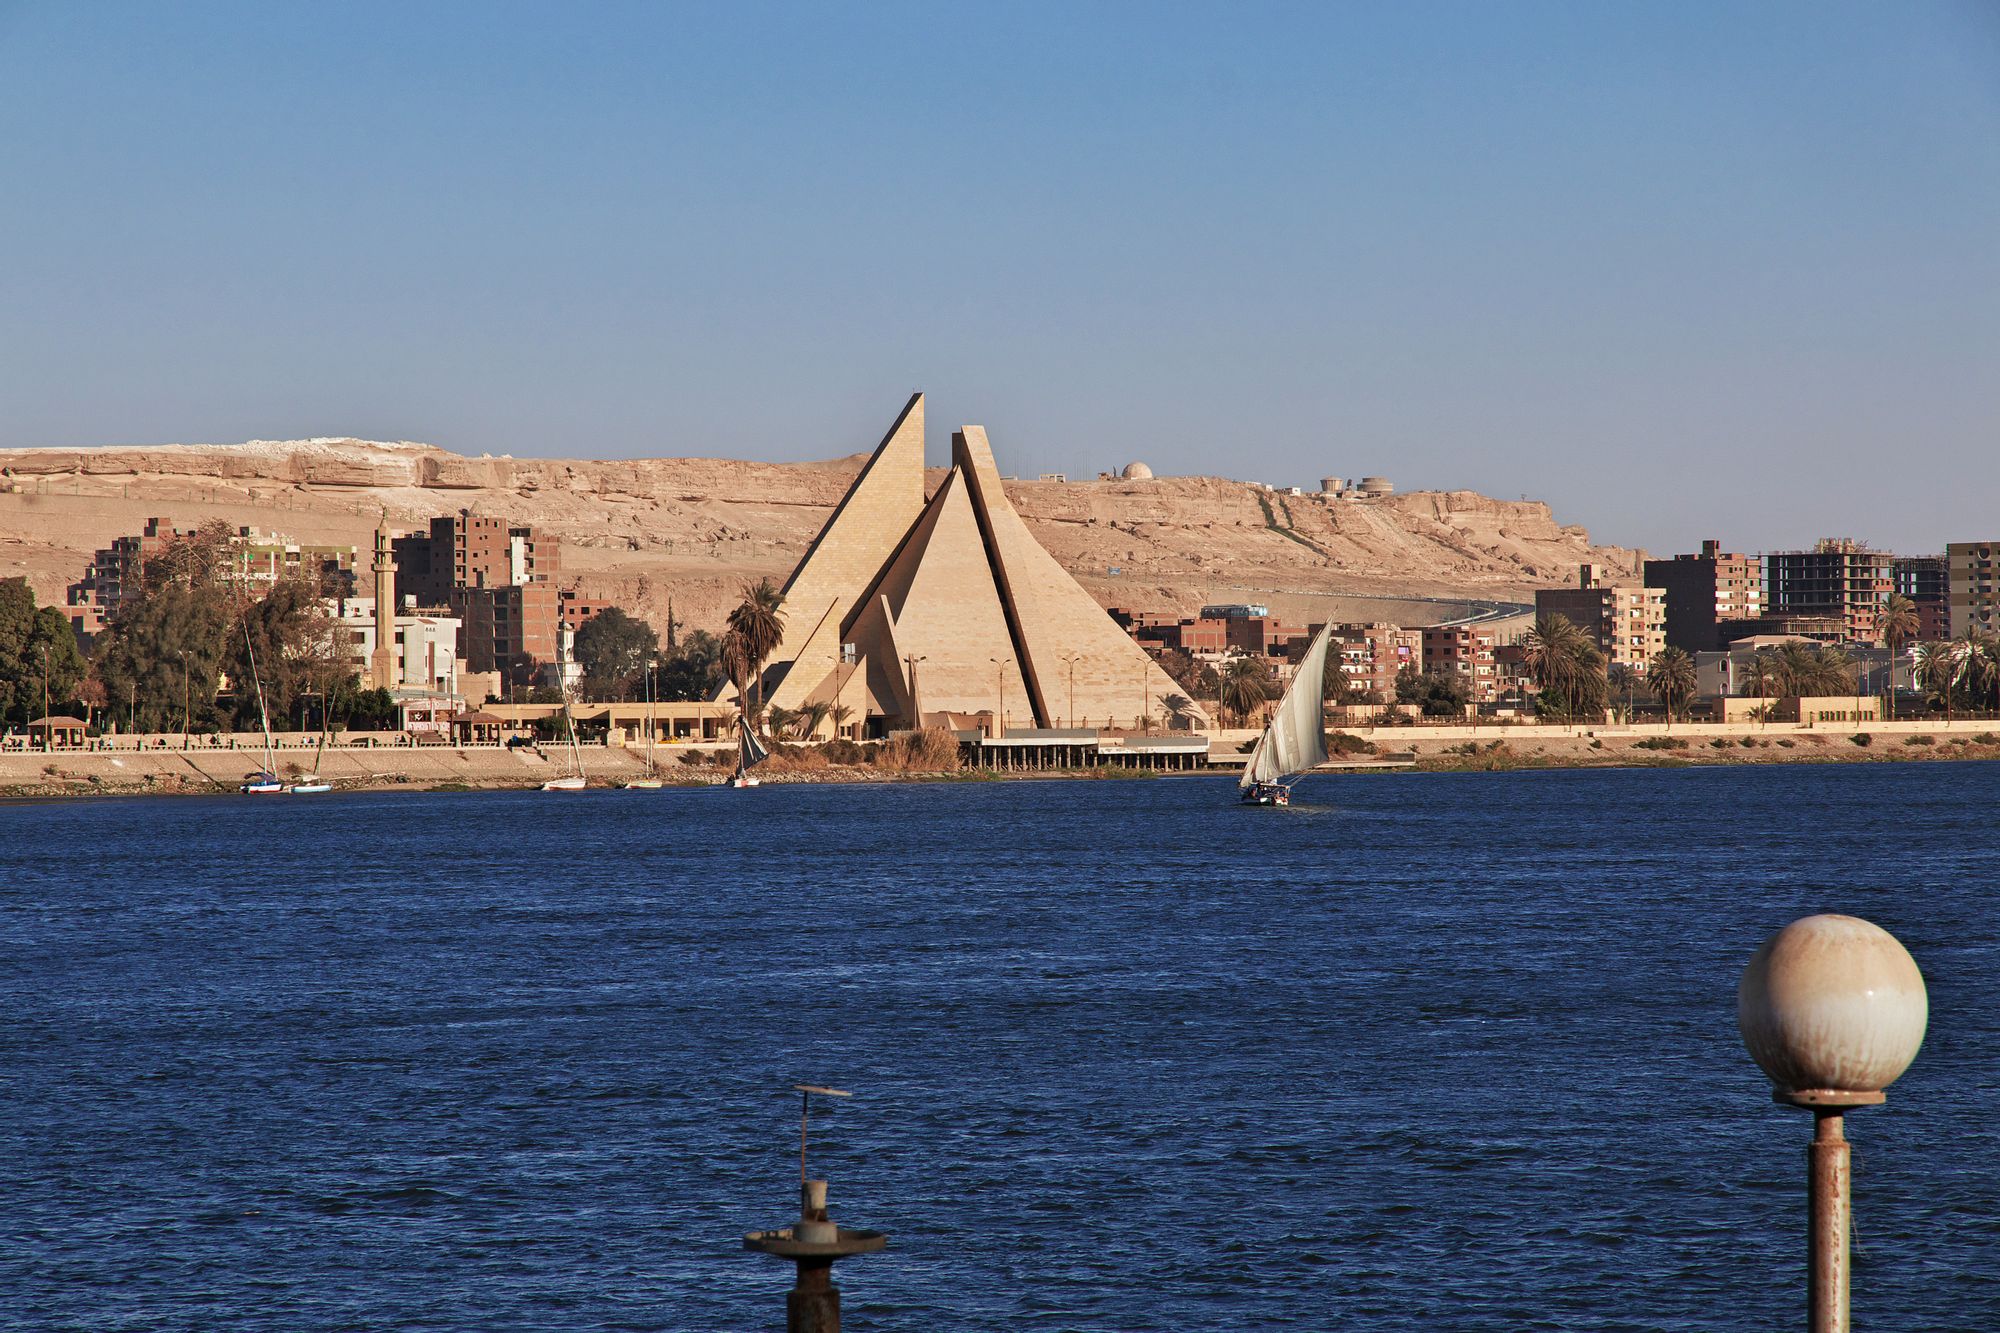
column 263, row 713
column 651, row 726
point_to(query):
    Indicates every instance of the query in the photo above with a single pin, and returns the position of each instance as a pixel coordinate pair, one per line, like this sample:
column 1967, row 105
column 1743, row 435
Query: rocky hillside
column 695, row 529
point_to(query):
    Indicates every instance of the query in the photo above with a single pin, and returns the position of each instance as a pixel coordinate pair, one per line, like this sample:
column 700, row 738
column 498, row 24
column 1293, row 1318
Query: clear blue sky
column 1684, row 270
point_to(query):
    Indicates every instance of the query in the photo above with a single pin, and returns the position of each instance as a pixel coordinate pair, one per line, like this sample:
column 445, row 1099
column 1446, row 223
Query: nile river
column 1422, row 1052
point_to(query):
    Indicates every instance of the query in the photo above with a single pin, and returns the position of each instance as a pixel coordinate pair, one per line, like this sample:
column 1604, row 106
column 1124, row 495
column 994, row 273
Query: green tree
column 284, row 628
column 1566, row 666
column 1435, row 693
column 1900, row 623
column 690, row 671
column 162, row 657
column 1246, row 684
column 34, row 641
column 1671, row 674
column 1196, row 677
column 1936, row 670
column 613, row 649
column 758, row 624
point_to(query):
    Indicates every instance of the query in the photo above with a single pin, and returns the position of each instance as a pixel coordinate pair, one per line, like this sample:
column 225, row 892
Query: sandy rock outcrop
column 695, row 529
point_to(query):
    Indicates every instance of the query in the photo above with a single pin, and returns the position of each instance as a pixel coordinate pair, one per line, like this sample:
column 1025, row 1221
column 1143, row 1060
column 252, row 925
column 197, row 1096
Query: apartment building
column 1627, row 619
column 1973, row 587
column 1838, row 578
column 1926, row 581
column 1464, row 651
column 466, row 550
column 1373, row 655
column 117, row 573
column 1704, row 591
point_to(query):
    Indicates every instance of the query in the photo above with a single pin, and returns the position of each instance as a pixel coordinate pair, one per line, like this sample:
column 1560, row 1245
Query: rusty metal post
column 813, row 1242
column 813, row 1306
column 1829, row 1210
column 1833, row 1009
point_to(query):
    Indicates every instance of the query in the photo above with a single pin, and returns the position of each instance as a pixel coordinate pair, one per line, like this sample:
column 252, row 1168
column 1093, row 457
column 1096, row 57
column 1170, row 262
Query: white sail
column 1296, row 739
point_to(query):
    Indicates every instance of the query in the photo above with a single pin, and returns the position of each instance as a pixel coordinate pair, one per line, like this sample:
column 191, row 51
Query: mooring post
column 1833, row 1010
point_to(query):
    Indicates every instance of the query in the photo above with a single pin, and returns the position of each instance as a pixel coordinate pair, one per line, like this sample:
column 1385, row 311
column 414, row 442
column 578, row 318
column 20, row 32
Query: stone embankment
column 161, row 766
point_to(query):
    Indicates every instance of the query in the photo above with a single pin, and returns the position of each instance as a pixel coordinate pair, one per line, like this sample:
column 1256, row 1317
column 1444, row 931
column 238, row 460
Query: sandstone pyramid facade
column 952, row 607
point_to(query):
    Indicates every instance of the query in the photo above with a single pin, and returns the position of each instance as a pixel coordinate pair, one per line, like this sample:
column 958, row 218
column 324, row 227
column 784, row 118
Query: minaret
column 382, row 663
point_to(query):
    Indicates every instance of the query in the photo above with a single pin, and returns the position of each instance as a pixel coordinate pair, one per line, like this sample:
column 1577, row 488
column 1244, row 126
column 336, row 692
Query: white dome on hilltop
column 1137, row 472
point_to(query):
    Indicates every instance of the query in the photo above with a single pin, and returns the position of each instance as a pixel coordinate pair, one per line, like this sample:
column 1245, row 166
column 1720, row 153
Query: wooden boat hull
column 309, row 788
column 644, row 784
column 563, row 784
column 1267, row 793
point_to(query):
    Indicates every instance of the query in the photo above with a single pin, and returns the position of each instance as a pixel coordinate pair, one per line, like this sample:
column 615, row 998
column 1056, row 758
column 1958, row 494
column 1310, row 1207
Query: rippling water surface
column 1422, row 1052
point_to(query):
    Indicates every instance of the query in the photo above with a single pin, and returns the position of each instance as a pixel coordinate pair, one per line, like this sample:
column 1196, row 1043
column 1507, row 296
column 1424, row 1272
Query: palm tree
column 841, row 715
column 810, row 718
column 1623, row 679
column 734, row 659
column 1978, row 663
column 1900, row 624
column 1244, row 686
column 758, row 623
column 1936, row 669
column 1763, row 677
column 1553, row 652
column 1672, row 676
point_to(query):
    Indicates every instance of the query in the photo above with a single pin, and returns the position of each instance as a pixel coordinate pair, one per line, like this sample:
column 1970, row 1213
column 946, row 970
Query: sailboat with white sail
column 651, row 782
column 1295, row 741
column 575, row 781
column 264, row 783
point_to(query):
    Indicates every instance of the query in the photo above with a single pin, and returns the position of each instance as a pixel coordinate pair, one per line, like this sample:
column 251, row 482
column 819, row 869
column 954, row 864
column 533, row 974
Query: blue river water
column 1422, row 1052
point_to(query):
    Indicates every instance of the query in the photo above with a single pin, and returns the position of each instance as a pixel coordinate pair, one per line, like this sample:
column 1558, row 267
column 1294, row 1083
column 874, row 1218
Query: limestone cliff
column 639, row 531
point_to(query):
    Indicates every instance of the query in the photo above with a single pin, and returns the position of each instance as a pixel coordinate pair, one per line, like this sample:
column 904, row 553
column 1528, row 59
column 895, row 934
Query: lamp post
column 48, row 727
column 1069, row 659
column 1832, row 1009
column 1000, row 665
column 187, row 699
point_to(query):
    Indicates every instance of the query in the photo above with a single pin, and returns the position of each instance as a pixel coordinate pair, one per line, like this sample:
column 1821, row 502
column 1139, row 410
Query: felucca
column 1295, row 741
column 651, row 782
column 749, row 754
column 265, row 783
column 574, row 782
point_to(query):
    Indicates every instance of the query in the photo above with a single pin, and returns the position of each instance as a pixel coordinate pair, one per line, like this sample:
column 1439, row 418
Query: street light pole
column 1833, row 1009
column 187, row 700
column 1000, row 665
column 48, row 727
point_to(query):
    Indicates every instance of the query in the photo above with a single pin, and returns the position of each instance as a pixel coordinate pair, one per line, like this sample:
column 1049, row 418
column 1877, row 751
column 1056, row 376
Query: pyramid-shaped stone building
column 915, row 610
